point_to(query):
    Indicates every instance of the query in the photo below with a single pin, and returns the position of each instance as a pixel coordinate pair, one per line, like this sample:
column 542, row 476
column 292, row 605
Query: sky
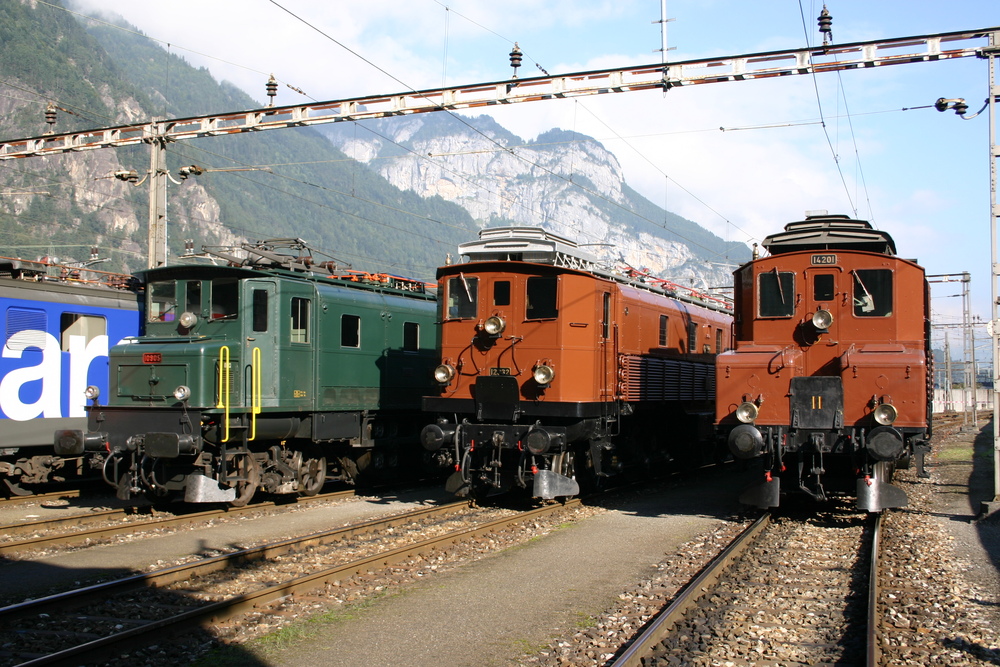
column 865, row 143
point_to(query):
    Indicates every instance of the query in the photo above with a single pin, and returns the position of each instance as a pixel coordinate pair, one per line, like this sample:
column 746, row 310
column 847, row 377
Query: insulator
column 93, row 253
column 50, row 114
column 825, row 24
column 515, row 58
column 961, row 107
column 272, row 89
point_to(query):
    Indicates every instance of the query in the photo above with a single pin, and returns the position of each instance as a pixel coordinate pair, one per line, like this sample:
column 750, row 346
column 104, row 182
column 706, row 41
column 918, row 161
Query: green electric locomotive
column 273, row 372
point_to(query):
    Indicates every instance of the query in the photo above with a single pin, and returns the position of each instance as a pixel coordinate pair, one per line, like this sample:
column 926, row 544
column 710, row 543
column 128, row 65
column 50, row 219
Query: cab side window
column 776, row 294
column 541, row 298
column 872, row 292
column 463, row 297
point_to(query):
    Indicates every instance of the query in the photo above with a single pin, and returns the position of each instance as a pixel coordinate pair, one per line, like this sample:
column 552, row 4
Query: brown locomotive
column 555, row 370
column 828, row 384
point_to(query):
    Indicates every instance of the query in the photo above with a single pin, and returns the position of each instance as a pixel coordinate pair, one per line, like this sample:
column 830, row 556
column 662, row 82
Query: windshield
column 161, row 301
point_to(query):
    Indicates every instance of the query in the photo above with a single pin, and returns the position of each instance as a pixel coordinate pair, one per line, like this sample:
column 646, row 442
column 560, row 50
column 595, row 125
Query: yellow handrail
column 255, row 391
column 224, row 380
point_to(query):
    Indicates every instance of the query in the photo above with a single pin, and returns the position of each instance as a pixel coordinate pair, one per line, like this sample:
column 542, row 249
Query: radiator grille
column 650, row 379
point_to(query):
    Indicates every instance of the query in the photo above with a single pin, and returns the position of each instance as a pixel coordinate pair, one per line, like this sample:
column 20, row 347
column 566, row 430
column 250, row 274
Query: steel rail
column 219, row 611
column 873, row 650
column 66, row 539
column 660, row 626
column 39, row 497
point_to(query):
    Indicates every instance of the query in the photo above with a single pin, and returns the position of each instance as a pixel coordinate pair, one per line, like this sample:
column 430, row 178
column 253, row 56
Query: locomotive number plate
column 824, row 260
column 152, row 357
column 499, row 371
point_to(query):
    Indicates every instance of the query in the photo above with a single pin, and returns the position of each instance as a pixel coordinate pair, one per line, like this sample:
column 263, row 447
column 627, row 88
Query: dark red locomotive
column 555, row 370
column 828, row 384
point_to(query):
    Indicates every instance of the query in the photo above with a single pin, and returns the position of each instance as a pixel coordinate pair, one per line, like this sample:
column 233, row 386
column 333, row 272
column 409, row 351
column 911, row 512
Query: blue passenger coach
column 56, row 335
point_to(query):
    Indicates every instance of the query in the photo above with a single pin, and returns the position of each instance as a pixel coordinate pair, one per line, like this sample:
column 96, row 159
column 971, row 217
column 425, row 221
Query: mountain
column 562, row 180
column 292, row 183
column 403, row 212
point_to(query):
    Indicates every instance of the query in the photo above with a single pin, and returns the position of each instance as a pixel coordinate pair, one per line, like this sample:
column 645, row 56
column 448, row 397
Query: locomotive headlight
column 187, row 319
column 91, row 393
column 886, row 414
column 494, row 325
column 544, row 374
column 822, row 320
column 182, row 393
column 746, row 412
column 444, row 373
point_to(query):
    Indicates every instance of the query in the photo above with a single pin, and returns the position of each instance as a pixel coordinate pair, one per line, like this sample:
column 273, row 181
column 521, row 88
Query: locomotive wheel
column 563, row 463
column 15, row 489
column 245, row 467
column 312, row 476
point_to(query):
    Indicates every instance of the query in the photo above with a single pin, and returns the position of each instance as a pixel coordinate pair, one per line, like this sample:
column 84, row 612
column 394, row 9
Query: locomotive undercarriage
column 818, row 464
column 554, row 458
column 166, row 458
column 17, row 473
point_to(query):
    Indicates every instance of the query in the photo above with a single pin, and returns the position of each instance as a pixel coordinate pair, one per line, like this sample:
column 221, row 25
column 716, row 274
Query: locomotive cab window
column 664, row 331
column 692, row 337
column 823, row 287
column 300, row 320
column 161, row 301
column 606, row 316
column 872, row 292
column 87, row 326
column 541, row 298
column 463, row 296
column 350, row 331
column 501, row 293
column 259, row 310
column 411, row 336
column 225, row 298
column 192, row 297
column 776, row 294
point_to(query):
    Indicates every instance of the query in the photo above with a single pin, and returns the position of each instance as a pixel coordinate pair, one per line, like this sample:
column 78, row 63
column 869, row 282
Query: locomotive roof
column 538, row 246
column 290, row 257
column 527, row 244
column 830, row 232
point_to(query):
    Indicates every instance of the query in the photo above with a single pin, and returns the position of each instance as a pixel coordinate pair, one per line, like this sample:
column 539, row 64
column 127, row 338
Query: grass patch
column 954, row 453
column 298, row 632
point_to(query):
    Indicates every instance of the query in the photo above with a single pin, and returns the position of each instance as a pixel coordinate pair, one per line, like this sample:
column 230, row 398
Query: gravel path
column 516, row 601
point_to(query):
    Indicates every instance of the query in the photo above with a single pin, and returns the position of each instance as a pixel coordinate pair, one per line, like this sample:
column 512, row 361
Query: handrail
column 255, row 390
column 224, row 380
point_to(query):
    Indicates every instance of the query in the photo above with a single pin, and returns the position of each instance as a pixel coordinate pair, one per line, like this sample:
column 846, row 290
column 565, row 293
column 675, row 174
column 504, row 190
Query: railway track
column 99, row 622
column 784, row 592
column 12, row 501
column 94, row 526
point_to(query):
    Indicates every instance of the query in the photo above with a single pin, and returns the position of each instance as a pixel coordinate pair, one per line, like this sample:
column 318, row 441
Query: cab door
column 260, row 342
column 824, row 292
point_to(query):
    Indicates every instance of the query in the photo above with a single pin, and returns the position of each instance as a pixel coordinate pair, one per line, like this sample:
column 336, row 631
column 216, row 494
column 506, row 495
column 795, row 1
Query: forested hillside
column 275, row 184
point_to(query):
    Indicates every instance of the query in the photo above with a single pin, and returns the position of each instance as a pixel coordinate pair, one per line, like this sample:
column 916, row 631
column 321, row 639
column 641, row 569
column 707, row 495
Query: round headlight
column 444, row 373
column 494, row 325
column 91, row 392
column 182, row 393
column 886, row 414
column 822, row 319
column 544, row 374
column 188, row 319
column 747, row 412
